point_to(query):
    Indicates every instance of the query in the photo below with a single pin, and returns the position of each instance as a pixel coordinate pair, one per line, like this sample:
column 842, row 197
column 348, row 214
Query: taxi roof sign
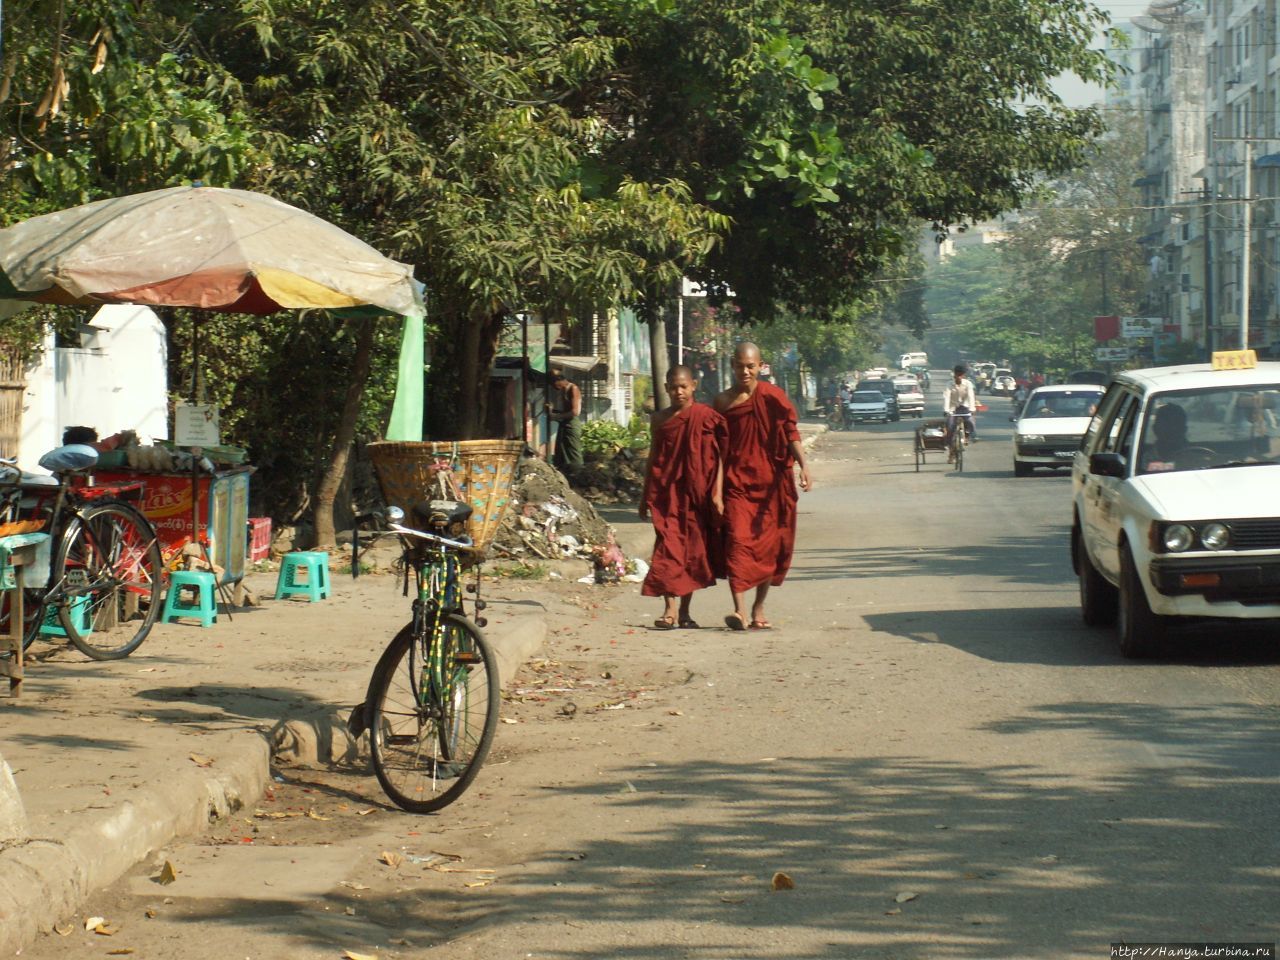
column 1234, row 359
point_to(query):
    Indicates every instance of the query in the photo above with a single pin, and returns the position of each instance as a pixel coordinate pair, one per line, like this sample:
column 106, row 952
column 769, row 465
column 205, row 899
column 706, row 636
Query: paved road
column 930, row 724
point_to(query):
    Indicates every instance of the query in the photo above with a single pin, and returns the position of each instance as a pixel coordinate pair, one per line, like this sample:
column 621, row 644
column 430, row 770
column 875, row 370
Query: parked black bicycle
column 105, row 571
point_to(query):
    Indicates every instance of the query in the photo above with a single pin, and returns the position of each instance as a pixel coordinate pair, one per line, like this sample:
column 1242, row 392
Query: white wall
column 117, row 379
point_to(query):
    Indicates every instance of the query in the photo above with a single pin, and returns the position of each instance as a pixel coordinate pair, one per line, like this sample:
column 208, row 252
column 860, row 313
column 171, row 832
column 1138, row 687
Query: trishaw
column 930, row 436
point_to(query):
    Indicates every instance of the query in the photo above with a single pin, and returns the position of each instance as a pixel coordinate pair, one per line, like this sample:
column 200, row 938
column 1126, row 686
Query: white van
column 909, row 360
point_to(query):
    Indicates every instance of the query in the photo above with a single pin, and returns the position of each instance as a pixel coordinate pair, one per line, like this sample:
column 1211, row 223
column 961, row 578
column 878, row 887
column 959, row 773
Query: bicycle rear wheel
column 428, row 744
column 105, row 581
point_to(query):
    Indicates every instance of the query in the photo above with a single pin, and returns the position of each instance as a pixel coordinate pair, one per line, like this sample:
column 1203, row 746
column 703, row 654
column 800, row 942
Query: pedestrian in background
column 683, row 495
column 565, row 403
column 759, row 486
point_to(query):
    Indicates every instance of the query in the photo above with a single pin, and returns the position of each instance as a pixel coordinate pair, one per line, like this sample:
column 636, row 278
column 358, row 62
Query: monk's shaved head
column 745, row 350
column 681, row 369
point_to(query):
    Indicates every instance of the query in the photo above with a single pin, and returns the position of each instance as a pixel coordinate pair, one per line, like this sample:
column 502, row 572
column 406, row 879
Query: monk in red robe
column 759, row 486
column 682, row 492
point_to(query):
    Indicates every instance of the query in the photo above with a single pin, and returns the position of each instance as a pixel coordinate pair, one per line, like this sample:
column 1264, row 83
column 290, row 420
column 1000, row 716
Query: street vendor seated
column 89, row 437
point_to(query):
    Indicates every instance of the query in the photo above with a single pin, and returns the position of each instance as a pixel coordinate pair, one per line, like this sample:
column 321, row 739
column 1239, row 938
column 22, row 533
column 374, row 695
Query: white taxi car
column 910, row 397
column 1175, row 507
column 1051, row 424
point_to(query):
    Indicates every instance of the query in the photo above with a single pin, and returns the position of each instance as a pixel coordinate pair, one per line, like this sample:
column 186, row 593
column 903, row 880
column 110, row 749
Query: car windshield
column 868, row 396
column 1210, row 428
column 1063, row 403
column 906, row 388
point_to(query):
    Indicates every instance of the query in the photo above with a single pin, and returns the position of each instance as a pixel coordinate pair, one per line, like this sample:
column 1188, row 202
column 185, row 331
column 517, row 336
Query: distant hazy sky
column 1078, row 94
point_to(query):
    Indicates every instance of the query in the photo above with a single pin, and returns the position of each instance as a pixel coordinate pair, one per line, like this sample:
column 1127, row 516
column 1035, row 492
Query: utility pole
column 1247, row 238
column 1209, row 335
column 1246, row 243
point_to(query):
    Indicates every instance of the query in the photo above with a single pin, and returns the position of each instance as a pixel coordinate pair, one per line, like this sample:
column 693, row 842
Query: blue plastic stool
column 314, row 564
column 205, row 609
column 52, row 626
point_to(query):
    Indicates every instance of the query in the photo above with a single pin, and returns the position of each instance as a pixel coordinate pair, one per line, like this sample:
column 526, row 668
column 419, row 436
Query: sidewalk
column 113, row 759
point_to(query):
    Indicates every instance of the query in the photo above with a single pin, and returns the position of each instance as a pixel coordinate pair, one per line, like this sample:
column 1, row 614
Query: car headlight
column 1177, row 538
column 1215, row 536
column 1031, row 438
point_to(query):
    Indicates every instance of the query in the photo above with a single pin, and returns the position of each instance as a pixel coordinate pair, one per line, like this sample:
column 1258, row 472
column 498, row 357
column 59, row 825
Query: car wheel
column 1141, row 631
column 1021, row 469
column 1099, row 600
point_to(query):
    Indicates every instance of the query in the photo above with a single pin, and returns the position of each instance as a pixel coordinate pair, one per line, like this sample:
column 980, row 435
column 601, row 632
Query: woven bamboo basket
column 483, row 471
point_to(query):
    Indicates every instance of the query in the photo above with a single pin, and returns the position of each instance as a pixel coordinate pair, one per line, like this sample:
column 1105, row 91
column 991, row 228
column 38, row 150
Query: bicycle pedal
column 470, row 657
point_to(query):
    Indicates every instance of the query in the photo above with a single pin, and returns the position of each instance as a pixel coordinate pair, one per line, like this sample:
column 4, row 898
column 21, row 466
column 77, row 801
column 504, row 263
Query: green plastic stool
column 52, row 626
column 205, row 609
column 314, row 564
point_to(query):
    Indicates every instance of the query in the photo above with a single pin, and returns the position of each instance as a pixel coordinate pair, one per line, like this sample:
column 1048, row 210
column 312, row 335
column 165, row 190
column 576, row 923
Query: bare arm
column 717, row 488
column 575, row 396
column 797, row 451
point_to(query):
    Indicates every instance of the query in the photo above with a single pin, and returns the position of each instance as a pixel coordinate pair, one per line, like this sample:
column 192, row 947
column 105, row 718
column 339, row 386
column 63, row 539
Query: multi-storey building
column 1171, row 79
column 1240, row 124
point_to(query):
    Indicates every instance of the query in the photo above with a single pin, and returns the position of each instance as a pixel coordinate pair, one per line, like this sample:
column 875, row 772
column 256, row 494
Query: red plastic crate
column 259, row 538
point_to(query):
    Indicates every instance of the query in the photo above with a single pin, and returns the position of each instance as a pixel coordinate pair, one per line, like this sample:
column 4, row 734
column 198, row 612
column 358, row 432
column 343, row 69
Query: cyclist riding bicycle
column 958, row 403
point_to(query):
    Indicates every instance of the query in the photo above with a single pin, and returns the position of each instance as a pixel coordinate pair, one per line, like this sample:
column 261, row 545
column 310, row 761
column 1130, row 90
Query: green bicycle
column 432, row 703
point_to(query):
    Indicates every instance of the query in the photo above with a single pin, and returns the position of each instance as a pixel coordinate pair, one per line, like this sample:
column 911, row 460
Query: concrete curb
column 44, row 880
column 811, row 434
column 323, row 737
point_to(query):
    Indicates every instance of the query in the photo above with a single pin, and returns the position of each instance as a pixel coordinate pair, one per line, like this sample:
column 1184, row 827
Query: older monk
column 759, row 486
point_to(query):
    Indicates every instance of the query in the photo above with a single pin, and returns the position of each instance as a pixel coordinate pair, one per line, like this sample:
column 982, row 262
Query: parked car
column 1049, row 427
column 1174, row 501
column 909, row 395
column 867, row 405
column 885, row 386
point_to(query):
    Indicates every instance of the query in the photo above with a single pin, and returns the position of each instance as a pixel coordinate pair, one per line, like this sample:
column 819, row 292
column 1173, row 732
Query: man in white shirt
column 959, row 401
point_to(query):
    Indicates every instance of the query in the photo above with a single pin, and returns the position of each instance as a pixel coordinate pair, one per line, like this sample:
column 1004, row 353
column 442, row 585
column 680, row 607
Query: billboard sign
column 1111, row 354
column 1137, row 328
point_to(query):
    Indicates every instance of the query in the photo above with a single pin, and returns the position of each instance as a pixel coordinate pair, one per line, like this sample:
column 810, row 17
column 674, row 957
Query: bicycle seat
column 445, row 517
column 69, row 458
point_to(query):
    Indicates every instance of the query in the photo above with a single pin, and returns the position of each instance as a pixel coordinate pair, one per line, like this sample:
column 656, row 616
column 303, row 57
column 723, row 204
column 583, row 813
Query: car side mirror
column 1107, row 465
column 1013, row 419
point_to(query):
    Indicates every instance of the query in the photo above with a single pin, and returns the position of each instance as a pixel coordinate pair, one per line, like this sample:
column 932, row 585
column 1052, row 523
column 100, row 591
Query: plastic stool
column 205, row 609
column 313, row 563
column 52, row 626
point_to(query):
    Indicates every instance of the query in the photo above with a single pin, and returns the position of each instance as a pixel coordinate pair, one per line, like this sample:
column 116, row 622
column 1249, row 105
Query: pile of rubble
column 547, row 519
column 615, row 479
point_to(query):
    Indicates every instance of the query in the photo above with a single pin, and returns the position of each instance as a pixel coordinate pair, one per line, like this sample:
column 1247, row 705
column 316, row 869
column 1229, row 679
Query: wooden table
column 19, row 558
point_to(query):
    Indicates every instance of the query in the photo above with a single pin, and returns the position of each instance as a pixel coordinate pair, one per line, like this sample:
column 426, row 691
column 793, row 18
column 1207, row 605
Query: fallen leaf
column 350, row 911
column 782, row 882
column 366, row 811
column 905, row 896
column 352, row 955
column 352, row 884
column 675, row 713
column 315, row 816
column 733, row 899
column 63, row 931
column 92, row 923
column 120, row 952
column 147, row 719
column 390, row 859
column 509, row 720
column 201, row 761
column 167, row 874
column 894, row 912
column 149, row 914
column 480, row 883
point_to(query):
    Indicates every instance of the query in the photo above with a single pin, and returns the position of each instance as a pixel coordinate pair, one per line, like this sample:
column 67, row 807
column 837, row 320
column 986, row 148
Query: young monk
column 683, row 494
column 759, row 486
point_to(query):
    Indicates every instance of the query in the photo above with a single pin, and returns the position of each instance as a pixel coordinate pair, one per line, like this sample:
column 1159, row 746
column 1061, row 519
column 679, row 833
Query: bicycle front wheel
column 432, row 714
column 105, row 581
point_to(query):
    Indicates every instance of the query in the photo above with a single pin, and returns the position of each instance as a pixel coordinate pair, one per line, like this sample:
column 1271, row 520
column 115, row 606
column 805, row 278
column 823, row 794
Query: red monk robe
column 760, row 489
column 682, row 473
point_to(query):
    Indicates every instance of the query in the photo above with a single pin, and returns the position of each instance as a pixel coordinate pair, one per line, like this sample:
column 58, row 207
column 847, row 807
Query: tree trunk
column 661, row 361
column 462, row 355
column 327, row 492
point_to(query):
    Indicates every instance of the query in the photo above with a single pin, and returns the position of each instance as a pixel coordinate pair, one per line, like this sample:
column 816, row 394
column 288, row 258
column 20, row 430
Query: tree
column 1071, row 256
column 827, row 130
